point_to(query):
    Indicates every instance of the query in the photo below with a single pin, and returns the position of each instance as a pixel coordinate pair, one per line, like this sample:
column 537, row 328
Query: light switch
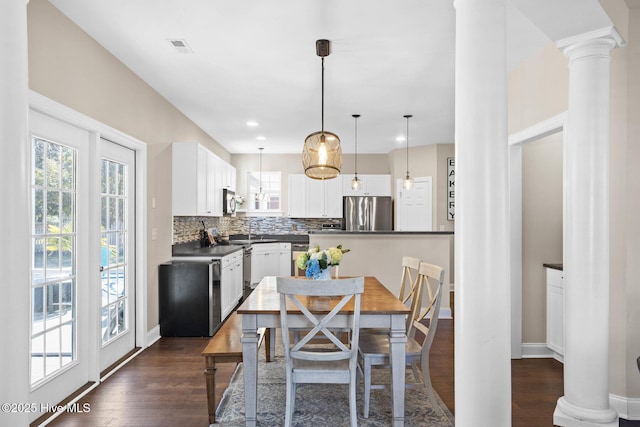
column 153, row 202
column 154, row 234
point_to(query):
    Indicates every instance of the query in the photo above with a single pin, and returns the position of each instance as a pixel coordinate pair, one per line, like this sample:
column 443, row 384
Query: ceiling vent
column 180, row 45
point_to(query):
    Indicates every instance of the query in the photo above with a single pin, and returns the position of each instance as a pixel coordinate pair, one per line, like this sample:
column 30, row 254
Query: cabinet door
column 258, row 265
column 226, row 293
column 297, row 196
column 377, row 185
column 203, row 181
column 333, row 198
column 237, row 279
column 315, row 198
column 284, row 258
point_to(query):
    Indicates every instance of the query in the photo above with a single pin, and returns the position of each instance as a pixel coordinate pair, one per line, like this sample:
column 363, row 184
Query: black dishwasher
column 189, row 298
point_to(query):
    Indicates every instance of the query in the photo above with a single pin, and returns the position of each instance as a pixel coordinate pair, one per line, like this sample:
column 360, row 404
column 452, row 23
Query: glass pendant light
column 322, row 154
column 356, row 184
column 407, row 183
column 260, row 195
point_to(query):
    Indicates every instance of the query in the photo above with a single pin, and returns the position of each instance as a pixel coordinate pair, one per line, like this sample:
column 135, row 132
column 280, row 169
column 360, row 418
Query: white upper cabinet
column 371, row 185
column 310, row 198
column 197, row 179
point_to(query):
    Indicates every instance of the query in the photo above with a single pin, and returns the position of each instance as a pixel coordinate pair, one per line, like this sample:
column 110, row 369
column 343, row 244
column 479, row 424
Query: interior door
column 414, row 206
column 117, row 252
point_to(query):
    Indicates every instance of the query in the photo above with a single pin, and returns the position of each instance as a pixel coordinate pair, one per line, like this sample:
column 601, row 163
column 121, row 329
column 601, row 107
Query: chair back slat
column 410, row 266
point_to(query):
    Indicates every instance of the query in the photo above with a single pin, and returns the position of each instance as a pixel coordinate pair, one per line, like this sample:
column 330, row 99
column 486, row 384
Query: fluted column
column 482, row 297
column 14, row 214
column 586, row 234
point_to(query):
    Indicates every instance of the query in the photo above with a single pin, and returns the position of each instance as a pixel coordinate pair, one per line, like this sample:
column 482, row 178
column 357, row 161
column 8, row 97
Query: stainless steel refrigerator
column 367, row 213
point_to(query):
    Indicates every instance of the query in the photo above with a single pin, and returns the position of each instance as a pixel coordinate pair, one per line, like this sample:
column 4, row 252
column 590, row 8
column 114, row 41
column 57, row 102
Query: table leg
column 398, row 341
column 250, row 342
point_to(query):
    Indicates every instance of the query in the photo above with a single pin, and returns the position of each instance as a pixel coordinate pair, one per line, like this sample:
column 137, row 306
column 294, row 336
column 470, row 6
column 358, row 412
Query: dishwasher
column 189, row 298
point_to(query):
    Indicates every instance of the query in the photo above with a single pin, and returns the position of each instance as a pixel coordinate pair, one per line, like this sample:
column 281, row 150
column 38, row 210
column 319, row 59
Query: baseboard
column 539, row 351
column 153, row 335
column 445, row 313
column 627, row 407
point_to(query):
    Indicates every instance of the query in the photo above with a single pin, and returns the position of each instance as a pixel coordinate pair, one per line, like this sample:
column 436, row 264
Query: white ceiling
column 256, row 60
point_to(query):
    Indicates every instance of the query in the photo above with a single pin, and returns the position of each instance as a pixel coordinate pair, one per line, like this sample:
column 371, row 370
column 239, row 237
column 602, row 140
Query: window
column 271, row 187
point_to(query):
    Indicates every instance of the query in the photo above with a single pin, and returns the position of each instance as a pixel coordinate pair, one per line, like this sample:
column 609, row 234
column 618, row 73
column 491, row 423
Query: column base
column 569, row 415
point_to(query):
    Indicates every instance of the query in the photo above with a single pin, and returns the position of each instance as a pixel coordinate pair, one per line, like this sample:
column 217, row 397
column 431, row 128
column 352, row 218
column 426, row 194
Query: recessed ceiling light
column 252, row 123
column 400, row 139
column 260, row 138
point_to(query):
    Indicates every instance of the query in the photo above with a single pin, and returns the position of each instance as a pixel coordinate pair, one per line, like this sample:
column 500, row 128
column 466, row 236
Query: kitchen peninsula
column 379, row 254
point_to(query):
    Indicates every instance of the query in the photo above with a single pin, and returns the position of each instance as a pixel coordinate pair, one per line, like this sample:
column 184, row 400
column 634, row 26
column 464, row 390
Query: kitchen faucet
column 250, row 229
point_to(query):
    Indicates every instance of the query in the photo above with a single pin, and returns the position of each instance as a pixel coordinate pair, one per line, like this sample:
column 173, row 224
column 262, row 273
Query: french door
column 60, row 275
column 83, row 269
column 117, row 252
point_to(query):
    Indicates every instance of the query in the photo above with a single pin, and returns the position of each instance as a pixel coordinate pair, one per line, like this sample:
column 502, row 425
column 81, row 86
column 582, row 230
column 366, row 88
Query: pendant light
column 356, row 183
column 407, row 183
column 260, row 195
column 322, row 154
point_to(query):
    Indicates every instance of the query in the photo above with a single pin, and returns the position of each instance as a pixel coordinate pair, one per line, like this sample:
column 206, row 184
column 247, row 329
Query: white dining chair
column 374, row 348
column 333, row 363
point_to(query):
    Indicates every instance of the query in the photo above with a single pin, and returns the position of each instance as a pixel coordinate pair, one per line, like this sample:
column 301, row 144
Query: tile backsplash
column 187, row 228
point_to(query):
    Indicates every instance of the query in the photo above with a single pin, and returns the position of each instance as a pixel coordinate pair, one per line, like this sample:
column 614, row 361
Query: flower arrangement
column 316, row 260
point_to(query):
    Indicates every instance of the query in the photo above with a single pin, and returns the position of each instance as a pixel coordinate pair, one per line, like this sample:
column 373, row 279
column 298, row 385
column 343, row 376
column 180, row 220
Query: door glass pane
column 53, row 319
column 115, row 296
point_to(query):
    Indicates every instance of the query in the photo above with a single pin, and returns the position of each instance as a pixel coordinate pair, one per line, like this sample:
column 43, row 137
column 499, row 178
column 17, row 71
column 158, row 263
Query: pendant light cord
column 322, row 102
column 407, row 117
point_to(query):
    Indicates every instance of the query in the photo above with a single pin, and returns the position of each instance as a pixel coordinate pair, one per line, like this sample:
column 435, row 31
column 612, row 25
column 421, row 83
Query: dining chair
column 410, row 267
column 374, row 348
column 332, row 363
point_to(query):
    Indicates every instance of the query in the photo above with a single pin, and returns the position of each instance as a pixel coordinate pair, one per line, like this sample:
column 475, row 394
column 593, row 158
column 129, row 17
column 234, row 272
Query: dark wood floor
column 164, row 386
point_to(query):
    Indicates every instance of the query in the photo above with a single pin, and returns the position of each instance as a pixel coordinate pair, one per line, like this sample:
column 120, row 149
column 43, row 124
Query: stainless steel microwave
column 228, row 202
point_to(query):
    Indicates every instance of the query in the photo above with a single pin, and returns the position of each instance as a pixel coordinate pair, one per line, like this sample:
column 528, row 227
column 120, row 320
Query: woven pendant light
column 322, row 154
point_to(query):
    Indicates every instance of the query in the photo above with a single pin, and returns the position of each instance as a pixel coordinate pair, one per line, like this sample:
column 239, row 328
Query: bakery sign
column 451, row 188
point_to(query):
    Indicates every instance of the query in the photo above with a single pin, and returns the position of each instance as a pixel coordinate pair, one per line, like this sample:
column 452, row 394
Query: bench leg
column 210, row 378
column 267, row 344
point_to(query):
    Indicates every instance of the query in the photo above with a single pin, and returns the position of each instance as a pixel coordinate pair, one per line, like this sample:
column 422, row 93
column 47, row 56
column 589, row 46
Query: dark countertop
column 223, row 249
column 554, row 266
column 382, row 232
column 194, row 249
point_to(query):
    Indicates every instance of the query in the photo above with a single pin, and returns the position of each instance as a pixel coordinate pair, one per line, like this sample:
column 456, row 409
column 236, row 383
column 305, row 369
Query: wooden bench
column 225, row 347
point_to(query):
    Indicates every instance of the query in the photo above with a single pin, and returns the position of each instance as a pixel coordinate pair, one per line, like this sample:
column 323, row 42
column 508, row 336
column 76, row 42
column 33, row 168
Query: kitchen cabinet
column 311, row 198
column 555, row 311
column 270, row 259
column 371, row 185
column 197, row 179
column 231, row 285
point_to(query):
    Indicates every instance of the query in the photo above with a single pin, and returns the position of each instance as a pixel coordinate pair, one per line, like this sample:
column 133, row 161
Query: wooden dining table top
column 375, row 299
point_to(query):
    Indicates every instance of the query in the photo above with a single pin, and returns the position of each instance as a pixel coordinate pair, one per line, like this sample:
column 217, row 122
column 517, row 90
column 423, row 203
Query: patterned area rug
column 323, row 404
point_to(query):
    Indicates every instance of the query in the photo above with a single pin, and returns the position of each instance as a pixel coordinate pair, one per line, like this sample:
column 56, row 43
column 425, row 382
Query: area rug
column 322, row 404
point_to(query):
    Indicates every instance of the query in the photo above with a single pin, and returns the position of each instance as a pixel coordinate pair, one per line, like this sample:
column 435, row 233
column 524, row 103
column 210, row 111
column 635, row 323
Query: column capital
column 596, row 42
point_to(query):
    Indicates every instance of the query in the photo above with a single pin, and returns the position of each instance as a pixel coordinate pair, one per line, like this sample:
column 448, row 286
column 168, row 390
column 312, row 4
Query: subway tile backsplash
column 187, row 228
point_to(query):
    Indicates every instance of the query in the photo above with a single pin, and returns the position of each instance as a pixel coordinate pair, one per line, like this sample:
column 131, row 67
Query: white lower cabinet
column 270, row 259
column 230, row 282
column 555, row 311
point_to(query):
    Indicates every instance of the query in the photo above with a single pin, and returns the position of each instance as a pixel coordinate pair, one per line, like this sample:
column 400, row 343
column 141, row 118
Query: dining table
column 379, row 308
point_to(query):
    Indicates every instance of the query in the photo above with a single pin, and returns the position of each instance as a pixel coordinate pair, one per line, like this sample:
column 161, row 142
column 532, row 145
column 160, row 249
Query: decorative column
column 15, row 213
column 586, row 233
column 483, row 290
